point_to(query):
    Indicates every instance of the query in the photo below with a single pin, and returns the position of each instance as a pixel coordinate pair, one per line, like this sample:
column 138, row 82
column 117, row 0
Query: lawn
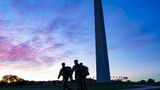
column 93, row 86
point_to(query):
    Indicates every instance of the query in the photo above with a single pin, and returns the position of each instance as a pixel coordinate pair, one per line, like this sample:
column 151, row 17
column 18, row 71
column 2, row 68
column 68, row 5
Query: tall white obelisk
column 102, row 63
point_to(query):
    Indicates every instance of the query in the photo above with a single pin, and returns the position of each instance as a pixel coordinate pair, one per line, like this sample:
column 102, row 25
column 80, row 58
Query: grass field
column 94, row 86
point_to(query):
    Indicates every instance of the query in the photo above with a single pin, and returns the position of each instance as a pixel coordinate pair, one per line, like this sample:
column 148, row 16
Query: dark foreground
column 93, row 86
column 146, row 88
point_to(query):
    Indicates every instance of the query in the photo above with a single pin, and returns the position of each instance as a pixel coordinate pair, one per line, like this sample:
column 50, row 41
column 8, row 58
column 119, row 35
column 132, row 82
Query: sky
column 36, row 36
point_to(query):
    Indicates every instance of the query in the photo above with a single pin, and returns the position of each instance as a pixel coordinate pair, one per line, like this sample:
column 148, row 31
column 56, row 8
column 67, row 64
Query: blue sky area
column 37, row 35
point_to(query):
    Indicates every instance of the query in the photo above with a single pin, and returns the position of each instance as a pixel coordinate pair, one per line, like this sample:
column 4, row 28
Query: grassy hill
column 93, row 86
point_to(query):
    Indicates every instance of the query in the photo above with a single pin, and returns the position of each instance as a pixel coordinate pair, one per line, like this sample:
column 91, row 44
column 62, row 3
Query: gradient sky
column 37, row 35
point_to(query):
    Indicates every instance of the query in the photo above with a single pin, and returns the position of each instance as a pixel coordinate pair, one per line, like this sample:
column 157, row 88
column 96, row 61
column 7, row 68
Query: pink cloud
column 26, row 52
column 16, row 52
column 1, row 22
column 3, row 65
column 21, row 51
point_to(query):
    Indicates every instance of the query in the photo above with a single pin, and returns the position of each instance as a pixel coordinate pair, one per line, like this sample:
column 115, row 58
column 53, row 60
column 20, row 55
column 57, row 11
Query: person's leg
column 63, row 85
column 78, row 85
column 85, row 85
column 81, row 84
column 67, row 86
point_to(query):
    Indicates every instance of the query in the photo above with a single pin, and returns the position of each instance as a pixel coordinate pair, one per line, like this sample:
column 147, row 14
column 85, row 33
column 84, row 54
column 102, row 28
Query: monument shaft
column 102, row 63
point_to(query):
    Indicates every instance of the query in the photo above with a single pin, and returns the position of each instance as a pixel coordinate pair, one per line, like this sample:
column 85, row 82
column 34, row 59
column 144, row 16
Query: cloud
column 19, row 45
column 58, row 23
column 127, row 33
column 70, row 7
column 51, row 7
column 1, row 22
column 69, row 28
column 40, row 34
column 23, row 7
column 11, row 52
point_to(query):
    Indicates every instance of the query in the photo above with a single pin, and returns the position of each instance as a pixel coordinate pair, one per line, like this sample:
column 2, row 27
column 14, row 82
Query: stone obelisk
column 102, row 63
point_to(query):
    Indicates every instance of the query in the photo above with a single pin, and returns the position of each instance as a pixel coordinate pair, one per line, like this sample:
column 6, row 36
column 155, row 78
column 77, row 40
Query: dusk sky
column 36, row 36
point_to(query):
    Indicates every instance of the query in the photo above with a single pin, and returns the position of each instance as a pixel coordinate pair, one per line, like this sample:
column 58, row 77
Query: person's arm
column 73, row 69
column 87, row 71
column 60, row 73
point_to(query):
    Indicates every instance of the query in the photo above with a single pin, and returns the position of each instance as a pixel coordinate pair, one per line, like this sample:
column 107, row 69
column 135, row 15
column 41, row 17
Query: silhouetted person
column 65, row 72
column 85, row 73
column 76, row 70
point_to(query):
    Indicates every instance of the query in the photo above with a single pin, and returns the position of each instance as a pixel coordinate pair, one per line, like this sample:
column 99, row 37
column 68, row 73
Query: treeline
column 13, row 80
column 28, row 83
column 149, row 82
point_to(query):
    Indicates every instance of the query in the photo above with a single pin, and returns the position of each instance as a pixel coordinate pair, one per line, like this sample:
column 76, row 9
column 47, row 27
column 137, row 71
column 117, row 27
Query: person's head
column 76, row 62
column 81, row 64
column 63, row 64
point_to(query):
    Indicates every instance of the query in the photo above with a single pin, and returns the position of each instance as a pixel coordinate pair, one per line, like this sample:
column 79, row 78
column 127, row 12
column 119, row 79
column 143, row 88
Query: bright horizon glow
column 37, row 36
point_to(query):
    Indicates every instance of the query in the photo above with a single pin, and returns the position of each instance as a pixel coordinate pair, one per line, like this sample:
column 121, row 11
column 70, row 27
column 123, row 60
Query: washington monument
column 103, row 73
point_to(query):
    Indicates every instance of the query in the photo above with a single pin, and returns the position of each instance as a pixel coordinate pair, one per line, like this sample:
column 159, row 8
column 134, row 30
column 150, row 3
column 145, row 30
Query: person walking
column 65, row 72
column 75, row 69
column 85, row 73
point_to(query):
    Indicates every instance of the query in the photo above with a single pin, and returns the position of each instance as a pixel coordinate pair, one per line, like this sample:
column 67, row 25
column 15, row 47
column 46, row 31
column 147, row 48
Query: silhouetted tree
column 142, row 82
column 128, row 81
column 151, row 81
column 158, row 83
column 11, row 79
